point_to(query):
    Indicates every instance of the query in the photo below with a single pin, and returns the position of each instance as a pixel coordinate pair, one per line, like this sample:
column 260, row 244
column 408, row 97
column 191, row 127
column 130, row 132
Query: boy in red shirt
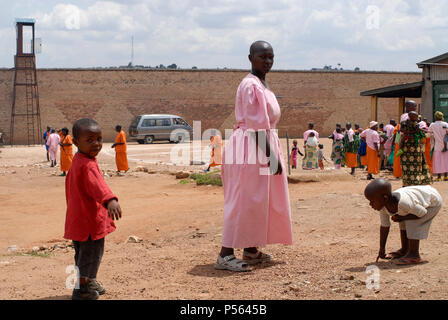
column 91, row 208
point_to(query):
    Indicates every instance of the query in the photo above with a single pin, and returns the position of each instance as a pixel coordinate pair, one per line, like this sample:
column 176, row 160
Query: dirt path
column 335, row 239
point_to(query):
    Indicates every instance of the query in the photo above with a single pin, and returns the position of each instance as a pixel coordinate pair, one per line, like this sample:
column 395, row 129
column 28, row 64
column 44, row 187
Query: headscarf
column 439, row 116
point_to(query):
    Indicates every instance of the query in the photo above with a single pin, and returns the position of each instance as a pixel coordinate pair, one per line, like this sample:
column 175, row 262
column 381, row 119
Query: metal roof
column 409, row 90
column 434, row 60
column 25, row 20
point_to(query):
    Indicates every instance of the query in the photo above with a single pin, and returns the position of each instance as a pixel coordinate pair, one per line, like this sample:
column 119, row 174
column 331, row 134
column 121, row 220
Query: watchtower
column 25, row 112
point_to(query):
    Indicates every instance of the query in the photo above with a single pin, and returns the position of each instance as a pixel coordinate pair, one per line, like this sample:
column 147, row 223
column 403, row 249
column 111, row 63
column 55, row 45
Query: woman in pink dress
column 256, row 198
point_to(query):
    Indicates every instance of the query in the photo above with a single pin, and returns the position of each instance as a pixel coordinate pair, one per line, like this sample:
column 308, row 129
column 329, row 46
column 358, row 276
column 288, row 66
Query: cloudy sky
column 388, row 35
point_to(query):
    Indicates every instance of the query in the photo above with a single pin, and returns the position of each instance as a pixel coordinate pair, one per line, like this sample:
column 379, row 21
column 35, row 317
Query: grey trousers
column 88, row 255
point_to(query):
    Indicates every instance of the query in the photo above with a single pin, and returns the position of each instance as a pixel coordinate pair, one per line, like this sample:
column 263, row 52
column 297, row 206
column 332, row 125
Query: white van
column 148, row 128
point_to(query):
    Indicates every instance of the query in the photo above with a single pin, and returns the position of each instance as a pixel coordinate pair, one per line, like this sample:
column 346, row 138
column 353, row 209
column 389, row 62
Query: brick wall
column 115, row 96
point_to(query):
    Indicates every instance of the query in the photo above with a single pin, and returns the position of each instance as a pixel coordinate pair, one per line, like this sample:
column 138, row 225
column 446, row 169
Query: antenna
column 132, row 50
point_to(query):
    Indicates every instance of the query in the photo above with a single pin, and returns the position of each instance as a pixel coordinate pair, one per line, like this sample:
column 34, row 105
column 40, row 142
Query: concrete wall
column 115, row 96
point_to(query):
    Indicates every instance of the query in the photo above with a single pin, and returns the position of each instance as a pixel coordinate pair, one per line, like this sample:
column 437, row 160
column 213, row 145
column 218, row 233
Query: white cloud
column 212, row 33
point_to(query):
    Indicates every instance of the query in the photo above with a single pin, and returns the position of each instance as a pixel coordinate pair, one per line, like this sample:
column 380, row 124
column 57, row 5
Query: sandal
column 394, row 255
column 409, row 261
column 257, row 257
column 231, row 263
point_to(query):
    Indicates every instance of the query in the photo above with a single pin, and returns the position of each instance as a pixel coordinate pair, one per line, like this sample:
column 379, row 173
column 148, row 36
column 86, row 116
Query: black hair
column 321, row 146
column 257, row 45
column 82, row 124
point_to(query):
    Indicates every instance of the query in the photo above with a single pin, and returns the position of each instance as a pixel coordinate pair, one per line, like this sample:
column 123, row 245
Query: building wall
column 115, row 96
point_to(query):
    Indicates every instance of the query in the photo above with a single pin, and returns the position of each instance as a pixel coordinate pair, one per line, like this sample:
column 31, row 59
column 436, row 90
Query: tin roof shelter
column 433, row 89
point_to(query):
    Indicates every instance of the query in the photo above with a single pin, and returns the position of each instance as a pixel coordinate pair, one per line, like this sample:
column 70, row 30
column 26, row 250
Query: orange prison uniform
column 352, row 161
column 428, row 153
column 373, row 161
column 216, row 157
column 66, row 153
column 397, row 163
column 121, row 156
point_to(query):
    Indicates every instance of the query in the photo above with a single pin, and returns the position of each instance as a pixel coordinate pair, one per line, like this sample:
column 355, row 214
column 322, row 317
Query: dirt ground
column 336, row 237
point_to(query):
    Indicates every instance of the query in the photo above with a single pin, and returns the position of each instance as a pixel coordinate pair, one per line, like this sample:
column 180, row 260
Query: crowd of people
column 60, row 139
column 413, row 149
column 257, row 208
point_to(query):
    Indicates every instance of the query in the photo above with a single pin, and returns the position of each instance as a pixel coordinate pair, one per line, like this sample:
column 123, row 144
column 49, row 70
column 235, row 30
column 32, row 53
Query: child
column 294, row 152
column 216, row 155
column 312, row 140
column 320, row 157
column 91, row 208
column 414, row 207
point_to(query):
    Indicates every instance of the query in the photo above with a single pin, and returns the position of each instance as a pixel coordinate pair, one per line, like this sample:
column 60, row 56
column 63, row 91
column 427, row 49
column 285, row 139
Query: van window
column 163, row 122
column 148, row 123
column 135, row 122
column 179, row 121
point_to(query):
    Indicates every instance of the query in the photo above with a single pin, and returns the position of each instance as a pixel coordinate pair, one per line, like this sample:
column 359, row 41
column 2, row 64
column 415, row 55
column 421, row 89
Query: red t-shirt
column 86, row 194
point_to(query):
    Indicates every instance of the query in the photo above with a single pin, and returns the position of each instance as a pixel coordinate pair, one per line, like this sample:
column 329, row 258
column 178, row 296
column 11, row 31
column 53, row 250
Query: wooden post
column 287, row 146
column 374, row 108
column 400, row 107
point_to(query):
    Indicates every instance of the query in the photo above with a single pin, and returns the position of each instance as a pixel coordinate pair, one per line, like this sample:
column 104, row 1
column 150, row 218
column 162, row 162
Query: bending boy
column 413, row 207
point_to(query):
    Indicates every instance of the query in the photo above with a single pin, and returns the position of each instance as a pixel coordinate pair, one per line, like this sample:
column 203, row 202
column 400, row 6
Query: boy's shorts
column 418, row 229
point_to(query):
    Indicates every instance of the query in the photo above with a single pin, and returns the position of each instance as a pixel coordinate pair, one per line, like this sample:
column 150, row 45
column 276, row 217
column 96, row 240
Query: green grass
column 209, row 178
column 34, row 254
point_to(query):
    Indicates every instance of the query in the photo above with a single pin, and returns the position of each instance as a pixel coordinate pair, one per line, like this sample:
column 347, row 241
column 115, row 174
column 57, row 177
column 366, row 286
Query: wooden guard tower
column 25, row 112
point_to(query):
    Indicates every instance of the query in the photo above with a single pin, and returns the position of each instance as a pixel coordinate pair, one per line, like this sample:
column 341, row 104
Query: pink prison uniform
column 53, row 143
column 256, row 206
column 389, row 129
column 86, row 194
column 307, row 133
column 372, row 137
column 439, row 159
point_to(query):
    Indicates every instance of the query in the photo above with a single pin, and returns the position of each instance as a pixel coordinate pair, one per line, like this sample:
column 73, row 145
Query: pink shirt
column 350, row 134
column 53, row 141
column 423, row 125
column 338, row 136
column 372, row 137
column 404, row 117
column 438, row 130
column 307, row 133
column 389, row 129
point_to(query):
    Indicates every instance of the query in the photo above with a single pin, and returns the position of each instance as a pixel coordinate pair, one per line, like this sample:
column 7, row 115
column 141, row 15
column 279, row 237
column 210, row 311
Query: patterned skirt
column 336, row 154
column 413, row 164
column 310, row 161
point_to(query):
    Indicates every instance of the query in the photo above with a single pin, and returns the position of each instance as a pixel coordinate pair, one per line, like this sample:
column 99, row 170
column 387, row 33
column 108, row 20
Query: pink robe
column 256, row 205
column 53, row 143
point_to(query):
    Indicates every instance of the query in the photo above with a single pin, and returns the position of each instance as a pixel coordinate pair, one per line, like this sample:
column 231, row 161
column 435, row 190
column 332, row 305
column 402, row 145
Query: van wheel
column 149, row 139
column 141, row 141
column 180, row 138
